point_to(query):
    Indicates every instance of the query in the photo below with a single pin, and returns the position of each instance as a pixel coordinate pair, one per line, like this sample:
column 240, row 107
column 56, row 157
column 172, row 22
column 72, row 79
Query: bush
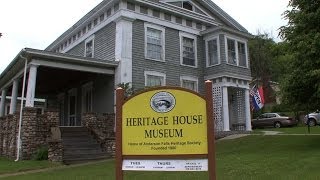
column 41, row 154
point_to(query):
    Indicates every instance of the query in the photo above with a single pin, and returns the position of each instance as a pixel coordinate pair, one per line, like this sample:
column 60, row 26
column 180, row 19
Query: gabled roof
column 216, row 10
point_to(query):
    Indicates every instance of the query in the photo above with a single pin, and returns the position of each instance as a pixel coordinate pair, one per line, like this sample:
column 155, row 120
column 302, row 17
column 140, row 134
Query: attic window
column 187, row 5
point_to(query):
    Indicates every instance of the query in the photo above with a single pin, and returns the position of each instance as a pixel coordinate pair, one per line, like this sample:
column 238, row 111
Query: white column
column 31, row 85
column 123, row 50
column 3, row 102
column 14, row 95
column 226, row 126
column 248, row 114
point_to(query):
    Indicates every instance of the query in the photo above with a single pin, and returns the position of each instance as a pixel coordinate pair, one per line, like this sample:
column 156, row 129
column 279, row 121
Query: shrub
column 41, row 154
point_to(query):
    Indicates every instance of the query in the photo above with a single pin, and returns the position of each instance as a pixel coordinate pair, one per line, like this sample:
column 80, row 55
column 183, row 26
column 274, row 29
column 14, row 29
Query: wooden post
column 210, row 132
column 119, row 103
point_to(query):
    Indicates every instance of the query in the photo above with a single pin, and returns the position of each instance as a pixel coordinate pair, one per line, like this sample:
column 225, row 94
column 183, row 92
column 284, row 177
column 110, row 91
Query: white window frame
column 194, row 37
column 154, row 73
column 160, row 28
column 85, row 88
column 218, row 51
column 91, row 38
column 237, row 52
column 190, row 78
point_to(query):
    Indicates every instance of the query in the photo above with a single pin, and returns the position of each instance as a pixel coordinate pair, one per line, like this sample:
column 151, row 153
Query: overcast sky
column 37, row 23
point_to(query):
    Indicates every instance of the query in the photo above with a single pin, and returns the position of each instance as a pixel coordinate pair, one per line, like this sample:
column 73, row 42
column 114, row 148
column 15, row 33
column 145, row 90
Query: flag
column 257, row 97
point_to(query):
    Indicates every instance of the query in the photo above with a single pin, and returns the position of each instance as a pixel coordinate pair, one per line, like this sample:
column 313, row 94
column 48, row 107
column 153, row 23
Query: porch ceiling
column 53, row 80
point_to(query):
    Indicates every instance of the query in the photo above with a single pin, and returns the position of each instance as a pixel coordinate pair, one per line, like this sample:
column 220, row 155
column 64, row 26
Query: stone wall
column 35, row 131
column 8, row 135
column 102, row 127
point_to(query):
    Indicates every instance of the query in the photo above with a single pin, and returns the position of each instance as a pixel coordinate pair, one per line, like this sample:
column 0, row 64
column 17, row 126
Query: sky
column 37, row 23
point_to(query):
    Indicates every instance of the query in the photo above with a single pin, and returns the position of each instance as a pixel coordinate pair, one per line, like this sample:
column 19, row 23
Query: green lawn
column 252, row 157
column 9, row 166
column 291, row 130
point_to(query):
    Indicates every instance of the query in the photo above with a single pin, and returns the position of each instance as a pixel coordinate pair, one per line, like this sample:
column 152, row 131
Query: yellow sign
column 164, row 122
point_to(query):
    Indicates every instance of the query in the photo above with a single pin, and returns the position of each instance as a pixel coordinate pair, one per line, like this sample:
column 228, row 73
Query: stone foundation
column 35, row 131
column 102, row 126
column 55, row 151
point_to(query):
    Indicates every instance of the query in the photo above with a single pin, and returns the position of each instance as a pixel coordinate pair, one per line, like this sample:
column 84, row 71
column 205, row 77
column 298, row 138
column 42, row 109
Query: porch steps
column 79, row 146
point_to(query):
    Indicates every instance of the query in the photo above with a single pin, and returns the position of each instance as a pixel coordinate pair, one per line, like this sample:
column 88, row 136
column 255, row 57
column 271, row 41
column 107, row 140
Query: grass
column 252, row 157
column 291, row 130
column 9, row 166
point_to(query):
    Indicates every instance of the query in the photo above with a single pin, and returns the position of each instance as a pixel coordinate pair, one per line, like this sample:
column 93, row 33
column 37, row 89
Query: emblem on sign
column 162, row 102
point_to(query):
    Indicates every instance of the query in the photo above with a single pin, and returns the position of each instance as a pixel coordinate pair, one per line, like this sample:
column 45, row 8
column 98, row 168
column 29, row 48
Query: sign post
column 165, row 129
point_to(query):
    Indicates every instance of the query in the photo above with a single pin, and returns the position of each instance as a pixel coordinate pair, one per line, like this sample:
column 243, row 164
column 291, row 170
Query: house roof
column 18, row 63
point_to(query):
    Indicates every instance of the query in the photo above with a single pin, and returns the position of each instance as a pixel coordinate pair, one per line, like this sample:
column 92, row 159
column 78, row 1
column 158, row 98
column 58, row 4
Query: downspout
column 21, row 108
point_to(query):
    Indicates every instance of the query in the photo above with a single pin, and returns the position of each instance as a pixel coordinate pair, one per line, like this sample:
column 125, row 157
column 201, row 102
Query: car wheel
column 312, row 122
column 277, row 125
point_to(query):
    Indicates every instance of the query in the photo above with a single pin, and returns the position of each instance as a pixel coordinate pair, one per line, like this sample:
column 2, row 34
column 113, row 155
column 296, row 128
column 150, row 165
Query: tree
column 301, row 85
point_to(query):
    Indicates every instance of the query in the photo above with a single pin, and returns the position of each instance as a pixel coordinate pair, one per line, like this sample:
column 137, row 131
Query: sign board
column 165, row 165
column 162, row 122
column 165, row 129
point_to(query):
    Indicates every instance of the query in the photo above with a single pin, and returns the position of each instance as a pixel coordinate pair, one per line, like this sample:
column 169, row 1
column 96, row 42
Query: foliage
column 41, row 154
column 128, row 89
column 301, row 85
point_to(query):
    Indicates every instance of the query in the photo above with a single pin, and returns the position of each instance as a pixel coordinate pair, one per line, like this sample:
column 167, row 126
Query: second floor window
column 89, row 47
column 236, row 52
column 188, row 50
column 189, row 82
column 212, row 52
column 154, row 40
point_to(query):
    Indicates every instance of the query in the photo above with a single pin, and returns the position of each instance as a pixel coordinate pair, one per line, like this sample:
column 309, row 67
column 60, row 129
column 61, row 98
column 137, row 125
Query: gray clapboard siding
column 171, row 67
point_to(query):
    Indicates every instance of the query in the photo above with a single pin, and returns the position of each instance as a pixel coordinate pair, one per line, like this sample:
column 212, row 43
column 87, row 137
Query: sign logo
column 162, row 102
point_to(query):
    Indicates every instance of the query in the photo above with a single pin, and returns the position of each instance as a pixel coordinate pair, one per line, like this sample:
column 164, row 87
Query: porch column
column 31, row 85
column 13, row 103
column 247, row 111
column 226, row 126
column 3, row 102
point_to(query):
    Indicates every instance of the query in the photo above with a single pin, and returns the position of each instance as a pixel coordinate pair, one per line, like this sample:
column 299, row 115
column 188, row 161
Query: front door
column 72, row 108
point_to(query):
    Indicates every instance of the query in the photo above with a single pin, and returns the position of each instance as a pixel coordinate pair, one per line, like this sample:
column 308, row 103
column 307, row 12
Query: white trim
column 181, row 35
column 207, row 50
column 154, row 73
column 160, row 28
column 89, row 39
column 236, row 40
column 190, row 78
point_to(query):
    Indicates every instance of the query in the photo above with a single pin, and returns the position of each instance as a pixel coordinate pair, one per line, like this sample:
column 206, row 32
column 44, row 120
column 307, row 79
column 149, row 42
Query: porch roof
column 57, row 60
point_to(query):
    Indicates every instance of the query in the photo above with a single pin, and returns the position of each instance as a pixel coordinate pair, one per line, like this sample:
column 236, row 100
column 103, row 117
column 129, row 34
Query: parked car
column 276, row 120
column 314, row 118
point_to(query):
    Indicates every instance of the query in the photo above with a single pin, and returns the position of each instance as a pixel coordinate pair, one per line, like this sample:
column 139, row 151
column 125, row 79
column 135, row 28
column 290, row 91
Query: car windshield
column 282, row 114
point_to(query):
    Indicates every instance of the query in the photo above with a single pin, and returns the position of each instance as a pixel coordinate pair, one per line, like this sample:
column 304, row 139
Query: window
column 101, row 17
column 242, row 54
column 143, row 10
column 231, row 45
column 187, row 5
column 167, row 17
column 188, row 51
column 153, row 78
column 108, row 12
column 189, row 82
column 87, row 97
column 189, row 23
column 116, row 7
column 212, row 52
column 236, row 52
column 179, row 20
column 89, row 26
column 154, row 42
column 95, row 22
column 155, row 13
column 130, row 6
column 89, row 47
